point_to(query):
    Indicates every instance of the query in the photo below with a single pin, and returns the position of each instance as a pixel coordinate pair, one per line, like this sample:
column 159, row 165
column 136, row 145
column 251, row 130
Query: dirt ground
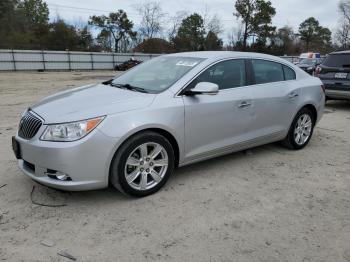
column 268, row 204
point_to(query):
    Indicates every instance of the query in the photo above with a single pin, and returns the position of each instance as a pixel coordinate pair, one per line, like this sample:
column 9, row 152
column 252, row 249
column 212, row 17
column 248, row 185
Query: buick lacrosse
column 174, row 110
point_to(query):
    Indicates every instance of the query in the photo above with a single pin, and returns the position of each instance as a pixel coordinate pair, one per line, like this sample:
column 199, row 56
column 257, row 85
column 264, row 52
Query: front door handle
column 244, row 104
column 293, row 95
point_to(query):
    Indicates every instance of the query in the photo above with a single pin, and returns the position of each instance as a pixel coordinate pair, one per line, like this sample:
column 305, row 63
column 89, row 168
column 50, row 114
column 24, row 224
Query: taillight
column 318, row 70
column 323, row 89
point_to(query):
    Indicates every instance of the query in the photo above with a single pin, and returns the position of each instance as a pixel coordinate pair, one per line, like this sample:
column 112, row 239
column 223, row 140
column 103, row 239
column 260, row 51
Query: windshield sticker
column 186, row 63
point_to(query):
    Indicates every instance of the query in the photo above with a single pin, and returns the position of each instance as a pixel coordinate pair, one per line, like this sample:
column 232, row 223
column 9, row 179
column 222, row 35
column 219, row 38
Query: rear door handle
column 292, row 95
column 244, row 104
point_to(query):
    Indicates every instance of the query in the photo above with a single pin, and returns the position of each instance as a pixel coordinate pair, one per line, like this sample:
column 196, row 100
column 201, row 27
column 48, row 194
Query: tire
column 137, row 169
column 295, row 138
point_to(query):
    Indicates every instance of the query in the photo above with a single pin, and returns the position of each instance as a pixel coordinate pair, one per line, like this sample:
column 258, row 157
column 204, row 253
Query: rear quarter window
column 289, row 73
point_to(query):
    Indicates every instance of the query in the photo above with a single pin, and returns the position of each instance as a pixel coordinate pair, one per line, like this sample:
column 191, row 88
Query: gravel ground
column 268, row 204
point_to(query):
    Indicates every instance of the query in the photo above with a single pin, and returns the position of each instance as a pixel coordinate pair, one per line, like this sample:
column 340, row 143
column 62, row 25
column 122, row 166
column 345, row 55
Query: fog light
column 58, row 175
column 63, row 177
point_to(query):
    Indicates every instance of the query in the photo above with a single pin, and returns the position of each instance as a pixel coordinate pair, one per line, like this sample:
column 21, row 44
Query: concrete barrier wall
column 13, row 60
column 18, row 60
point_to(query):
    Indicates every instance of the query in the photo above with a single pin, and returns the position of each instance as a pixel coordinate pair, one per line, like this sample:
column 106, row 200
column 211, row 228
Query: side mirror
column 204, row 88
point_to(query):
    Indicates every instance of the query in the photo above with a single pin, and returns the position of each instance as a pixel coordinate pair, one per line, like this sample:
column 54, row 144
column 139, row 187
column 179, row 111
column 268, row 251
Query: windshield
column 337, row 60
column 308, row 61
column 157, row 74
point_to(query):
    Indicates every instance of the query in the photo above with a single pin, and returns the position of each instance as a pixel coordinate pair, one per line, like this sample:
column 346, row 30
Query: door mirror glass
column 205, row 88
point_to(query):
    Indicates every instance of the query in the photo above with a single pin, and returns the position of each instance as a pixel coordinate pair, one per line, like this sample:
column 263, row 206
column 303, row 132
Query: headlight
column 67, row 132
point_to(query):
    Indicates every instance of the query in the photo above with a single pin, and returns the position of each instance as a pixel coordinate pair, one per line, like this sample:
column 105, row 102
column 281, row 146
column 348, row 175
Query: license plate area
column 341, row 75
column 16, row 148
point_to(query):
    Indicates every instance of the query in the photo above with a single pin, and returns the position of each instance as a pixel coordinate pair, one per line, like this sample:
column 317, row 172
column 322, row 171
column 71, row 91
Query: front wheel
column 143, row 164
column 301, row 130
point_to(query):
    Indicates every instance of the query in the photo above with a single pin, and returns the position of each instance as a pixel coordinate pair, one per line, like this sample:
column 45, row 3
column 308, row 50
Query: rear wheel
column 143, row 164
column 301, row 130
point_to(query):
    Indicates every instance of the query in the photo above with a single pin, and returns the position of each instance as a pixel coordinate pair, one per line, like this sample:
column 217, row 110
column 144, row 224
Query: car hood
column 90, row 101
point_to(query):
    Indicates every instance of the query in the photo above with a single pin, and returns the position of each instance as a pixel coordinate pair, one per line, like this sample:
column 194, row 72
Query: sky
column 288, row 12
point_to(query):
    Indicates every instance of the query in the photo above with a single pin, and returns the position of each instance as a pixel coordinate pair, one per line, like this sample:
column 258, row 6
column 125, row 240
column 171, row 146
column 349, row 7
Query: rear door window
column 267, row 71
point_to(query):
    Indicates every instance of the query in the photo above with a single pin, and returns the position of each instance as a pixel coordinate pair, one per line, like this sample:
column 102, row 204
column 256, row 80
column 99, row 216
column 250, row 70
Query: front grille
column 29, row 126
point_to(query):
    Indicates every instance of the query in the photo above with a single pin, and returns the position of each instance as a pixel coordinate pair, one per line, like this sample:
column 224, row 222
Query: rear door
column 275, row 95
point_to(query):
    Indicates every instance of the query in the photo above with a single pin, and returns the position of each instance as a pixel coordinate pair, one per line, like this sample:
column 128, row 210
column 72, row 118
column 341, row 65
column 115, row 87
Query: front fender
column 120, row 127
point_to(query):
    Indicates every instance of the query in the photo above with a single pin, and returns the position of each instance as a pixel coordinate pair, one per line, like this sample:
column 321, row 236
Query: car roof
column 223, row 54
column 340, row 52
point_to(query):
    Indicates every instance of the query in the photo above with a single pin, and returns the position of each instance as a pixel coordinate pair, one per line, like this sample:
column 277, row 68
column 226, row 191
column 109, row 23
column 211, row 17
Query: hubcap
column 146, row 166
column 303, row 129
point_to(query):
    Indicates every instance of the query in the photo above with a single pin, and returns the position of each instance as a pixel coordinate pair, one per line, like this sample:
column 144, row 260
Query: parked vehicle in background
column 311, row 55
column 127, row 64
column 309, row 64
column 335, row 75
column 173, row 110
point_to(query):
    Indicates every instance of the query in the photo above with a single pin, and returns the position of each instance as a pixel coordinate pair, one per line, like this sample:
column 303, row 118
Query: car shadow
column 181, row 176
column 50, row 197
column 338, row 104
column 215, row 164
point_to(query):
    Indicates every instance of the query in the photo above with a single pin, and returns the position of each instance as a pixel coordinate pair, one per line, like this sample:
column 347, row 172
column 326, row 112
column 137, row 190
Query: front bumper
column 85, row 161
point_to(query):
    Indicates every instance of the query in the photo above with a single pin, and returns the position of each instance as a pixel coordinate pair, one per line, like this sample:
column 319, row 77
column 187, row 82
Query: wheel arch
column 170, row 138
column 312, row 108
column 168, row 135
column 309, row 106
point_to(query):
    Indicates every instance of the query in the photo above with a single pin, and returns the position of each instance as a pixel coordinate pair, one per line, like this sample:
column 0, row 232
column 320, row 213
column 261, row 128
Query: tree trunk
column 116, row 43
column 245, row 36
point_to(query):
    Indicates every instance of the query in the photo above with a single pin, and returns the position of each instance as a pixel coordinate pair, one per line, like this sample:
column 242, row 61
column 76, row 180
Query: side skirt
column 236, row 148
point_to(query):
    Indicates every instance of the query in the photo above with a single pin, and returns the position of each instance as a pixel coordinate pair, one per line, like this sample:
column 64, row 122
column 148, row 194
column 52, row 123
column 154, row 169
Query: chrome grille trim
column 29, row 126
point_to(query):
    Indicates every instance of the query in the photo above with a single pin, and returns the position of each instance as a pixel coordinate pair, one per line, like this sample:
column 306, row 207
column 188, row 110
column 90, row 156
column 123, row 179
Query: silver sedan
column 174, row 110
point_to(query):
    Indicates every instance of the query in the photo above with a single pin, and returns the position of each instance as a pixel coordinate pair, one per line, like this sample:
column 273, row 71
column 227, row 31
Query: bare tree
column 215, row 25
column 152, row 18
column 342, row 34
column 230, row 41
column 236, row 35
column 344, row 9
column 212, row 23
column 175, row 22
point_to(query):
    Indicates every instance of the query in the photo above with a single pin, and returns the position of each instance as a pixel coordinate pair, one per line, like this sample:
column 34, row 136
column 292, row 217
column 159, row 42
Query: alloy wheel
column 302, row 130
column 146, row 166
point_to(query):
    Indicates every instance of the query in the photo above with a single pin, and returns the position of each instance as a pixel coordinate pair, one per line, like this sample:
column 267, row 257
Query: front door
column 214, row 123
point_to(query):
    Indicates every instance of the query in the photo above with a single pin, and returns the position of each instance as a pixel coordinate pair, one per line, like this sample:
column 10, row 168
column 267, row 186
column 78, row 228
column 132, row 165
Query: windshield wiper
column 129, row 87
column 135, row 88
